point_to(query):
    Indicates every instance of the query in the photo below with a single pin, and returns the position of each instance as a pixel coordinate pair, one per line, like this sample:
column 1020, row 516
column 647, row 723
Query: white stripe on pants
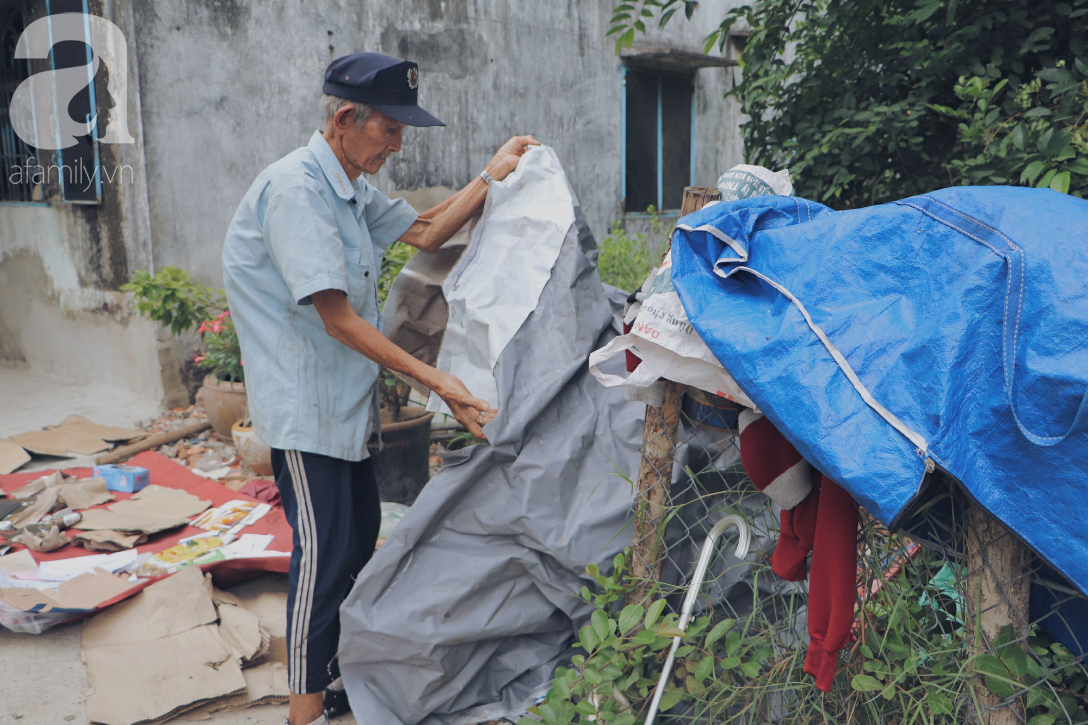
column 304, row 592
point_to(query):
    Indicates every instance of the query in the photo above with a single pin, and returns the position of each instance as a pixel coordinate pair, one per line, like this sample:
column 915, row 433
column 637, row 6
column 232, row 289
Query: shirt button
column 366, row 273
column 354, row 200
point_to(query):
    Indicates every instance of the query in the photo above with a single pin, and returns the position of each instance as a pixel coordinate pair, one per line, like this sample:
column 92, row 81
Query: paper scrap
column 38, row 485
column 44, row 542
column 60, row 570
column 231, row 514
column 107, row 540
column 44, row 504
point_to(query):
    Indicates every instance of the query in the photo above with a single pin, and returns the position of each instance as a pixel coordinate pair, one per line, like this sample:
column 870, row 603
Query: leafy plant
column 222, row 356
column 871, row 100
column 395, row 258
column 392, row 391
column 625, row 261
column 173, row 298
column 907, row 661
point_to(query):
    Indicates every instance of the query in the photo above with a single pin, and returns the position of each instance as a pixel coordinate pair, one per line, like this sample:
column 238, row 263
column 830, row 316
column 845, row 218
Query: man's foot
column 323, row 720
column 336, row 699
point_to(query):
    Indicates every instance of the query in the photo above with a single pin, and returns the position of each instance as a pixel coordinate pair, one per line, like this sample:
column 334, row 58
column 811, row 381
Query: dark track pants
column 334, row 510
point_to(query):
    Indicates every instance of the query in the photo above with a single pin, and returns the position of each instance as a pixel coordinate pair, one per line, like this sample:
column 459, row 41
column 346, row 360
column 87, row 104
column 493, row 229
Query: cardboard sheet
column 113, row 434
column 165, row 472
column 60, row 442
column 240, row 628
column 153, row 509
column 84, row 493
column 83, row 593
column 19, row 561
column 171, row 651
column 266, row 674
column 12, row 456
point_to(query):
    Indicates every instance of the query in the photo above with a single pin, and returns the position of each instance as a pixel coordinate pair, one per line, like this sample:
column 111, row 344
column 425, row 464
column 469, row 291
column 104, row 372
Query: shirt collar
column 330, row 165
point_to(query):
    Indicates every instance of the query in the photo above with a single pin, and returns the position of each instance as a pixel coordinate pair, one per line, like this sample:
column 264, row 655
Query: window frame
column 55, row 190
column 658, row 73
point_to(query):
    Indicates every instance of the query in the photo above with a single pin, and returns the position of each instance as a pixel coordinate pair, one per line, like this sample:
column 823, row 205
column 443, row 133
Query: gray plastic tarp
column 473, row 600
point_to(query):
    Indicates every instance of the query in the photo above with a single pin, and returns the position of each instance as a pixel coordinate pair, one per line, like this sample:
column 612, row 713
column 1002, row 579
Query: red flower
column 198, row 358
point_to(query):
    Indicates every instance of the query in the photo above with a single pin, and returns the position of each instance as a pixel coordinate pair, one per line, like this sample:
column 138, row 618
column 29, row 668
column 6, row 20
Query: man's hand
column 470, row 411
column 505, row 160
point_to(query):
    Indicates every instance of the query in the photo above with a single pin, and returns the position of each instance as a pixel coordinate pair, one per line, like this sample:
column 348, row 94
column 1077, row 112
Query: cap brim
column 410, row 115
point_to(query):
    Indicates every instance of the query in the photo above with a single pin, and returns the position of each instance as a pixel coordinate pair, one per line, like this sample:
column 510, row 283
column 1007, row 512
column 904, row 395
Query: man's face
column 368, row 147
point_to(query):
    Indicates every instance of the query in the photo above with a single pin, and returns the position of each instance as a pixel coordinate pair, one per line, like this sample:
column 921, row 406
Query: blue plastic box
column 123, row 479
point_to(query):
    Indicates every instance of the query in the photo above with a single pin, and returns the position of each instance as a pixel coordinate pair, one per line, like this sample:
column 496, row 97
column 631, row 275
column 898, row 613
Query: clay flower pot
column 255, row 452
column 224, row 403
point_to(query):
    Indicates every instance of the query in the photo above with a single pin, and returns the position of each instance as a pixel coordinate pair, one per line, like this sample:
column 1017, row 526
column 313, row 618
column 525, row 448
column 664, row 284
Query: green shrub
column 624, row 261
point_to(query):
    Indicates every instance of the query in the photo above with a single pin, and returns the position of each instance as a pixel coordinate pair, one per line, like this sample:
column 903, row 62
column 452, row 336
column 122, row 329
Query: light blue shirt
column 304, row 227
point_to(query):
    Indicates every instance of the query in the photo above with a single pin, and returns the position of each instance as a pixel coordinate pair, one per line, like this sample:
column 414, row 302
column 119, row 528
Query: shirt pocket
column 362, row 281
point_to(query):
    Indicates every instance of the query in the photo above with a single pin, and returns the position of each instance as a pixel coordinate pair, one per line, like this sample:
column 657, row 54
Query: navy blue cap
column 388, row 84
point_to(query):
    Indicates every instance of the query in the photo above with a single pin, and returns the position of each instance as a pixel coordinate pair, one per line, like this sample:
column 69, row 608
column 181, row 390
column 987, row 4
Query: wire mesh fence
column 954, row 619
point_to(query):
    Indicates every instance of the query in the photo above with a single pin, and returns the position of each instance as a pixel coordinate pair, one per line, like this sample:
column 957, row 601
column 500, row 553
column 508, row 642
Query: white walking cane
column 693, row 594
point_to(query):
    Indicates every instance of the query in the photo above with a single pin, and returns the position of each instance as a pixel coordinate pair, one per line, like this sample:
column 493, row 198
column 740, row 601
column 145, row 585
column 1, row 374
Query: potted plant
column 402, row 467
column 175, row 300
column 223, row 394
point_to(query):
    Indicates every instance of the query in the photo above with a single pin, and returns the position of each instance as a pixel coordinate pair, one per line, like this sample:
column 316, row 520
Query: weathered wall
column 61, row 266
column 228, row 86
column 221, row 88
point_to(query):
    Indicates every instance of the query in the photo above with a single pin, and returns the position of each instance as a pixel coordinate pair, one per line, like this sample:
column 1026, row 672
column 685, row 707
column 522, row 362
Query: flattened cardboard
column 12, row 456
column 87, row 591
column 61, row 442
column 109, row 433
column 38, row 485
column 84, row 493
column 19, row 561
column 176, row 604
column 82, row 593
column 241, row 630
column 144, row 682
column 169, row 649
column 151, row 510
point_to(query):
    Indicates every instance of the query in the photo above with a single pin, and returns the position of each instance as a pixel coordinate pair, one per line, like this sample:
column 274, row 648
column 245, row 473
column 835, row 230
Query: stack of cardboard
column 180, row 646
column 73, row 436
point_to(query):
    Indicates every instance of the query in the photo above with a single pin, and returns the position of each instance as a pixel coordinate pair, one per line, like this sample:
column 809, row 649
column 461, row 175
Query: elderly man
column 301, row 263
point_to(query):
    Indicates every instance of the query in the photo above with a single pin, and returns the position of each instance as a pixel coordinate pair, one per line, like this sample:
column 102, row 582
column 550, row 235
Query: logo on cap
column 413, row 78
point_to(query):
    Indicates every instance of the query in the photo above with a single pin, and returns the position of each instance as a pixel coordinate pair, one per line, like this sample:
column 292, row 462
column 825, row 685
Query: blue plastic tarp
column 946, row 330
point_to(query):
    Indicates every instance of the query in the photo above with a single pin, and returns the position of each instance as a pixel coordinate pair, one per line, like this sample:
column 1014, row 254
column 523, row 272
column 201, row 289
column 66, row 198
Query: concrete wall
column 61, row 266
column 221, row 88
column 228, row 86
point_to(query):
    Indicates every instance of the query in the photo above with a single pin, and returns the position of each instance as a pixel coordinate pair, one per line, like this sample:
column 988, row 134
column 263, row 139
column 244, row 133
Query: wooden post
column 658, row 454
column 998, row 590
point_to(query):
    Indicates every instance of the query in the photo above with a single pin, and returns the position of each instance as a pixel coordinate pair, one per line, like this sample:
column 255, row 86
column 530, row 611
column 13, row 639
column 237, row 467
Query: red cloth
column 773, row 464
column 165, row 472
column 262, row 490
column 825, row 523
